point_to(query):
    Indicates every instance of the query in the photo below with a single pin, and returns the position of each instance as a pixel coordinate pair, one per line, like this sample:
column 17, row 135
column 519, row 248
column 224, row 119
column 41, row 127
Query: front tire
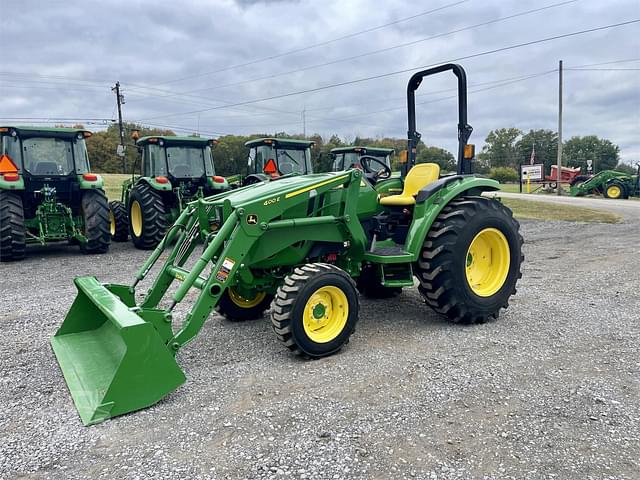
column 95, row 212
column 12, row 229
column 236, row 308
column 315, row 310
column 147, row 217
column 615, row 191
column 119, row 221
column 470, row 261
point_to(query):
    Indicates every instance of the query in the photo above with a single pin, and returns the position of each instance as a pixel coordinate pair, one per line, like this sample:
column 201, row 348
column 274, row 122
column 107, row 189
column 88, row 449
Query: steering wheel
column 370, row 164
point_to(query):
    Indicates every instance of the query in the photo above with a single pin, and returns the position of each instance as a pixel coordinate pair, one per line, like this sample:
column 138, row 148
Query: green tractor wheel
column 470, row 260
column 315, row 310
column 237, row 308
column 119, row 221
column 369, row 286
column 12, row 229
column 95, row 212
column 615, row 190
column 147, row 217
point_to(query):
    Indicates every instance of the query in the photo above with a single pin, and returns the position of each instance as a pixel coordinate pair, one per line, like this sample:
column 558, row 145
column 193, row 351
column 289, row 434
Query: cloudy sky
column 202, row 65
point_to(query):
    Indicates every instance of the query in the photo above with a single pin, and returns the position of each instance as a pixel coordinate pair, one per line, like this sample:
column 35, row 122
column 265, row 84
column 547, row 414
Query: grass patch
column 532, row 210
column 113, row 184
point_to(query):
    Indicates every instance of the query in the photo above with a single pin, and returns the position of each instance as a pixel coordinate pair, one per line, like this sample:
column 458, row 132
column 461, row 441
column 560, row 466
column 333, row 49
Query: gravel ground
column 550, row 390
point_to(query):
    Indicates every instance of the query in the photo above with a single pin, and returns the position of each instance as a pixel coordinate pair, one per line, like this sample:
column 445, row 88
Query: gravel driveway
column 550, row 390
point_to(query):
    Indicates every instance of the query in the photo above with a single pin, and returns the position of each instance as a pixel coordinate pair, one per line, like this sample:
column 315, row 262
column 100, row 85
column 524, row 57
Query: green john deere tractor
column 296, row 245
column 47, row 193
column 608, row 183
column 175, row 171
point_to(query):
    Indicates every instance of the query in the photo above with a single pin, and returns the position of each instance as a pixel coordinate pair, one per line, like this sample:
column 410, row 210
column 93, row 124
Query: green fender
column 90, row 184
column 17, row 185
column 151, row 181
column 426, row 212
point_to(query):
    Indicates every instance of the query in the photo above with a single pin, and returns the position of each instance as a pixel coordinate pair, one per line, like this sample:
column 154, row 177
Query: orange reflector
column 11, row 177
column 270, row 167
column 218, row 179
column 7, row 165
column 403, row 156
column 86, row 134
column 4, row 129
column 153, row 140
column 469, row 151
column 162, row 179
column 90, row 177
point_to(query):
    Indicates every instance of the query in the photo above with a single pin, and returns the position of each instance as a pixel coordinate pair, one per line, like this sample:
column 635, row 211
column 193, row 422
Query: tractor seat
column 418, row 177
column 46, row 168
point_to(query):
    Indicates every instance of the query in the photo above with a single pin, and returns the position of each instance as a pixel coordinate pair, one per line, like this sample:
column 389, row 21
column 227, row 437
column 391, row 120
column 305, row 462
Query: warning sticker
column 225, row 269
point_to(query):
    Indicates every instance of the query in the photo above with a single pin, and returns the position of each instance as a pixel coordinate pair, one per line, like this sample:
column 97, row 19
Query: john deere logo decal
column 252, row 219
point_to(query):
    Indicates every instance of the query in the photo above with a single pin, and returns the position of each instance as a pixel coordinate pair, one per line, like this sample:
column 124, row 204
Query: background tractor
column 296, row 245
column 175, row 171
column 344, row 158
column 47, row 193
column 608, row 183
column 271, row 158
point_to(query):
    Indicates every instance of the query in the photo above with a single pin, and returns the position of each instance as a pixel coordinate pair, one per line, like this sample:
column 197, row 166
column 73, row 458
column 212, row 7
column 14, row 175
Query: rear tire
column 447, row 266
column 12, row 229
column 119, row 221
column 369, row 286
column 95, row 211
column 148, row 225
column 236, row 308
column 315, row 310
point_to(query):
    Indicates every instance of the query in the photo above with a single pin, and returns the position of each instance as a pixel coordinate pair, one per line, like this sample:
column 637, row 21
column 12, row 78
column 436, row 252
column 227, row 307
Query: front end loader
column 47, row 192
column 296, row 246
column 609, row 183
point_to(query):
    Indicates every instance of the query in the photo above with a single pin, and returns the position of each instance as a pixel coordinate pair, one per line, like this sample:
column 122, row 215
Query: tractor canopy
column 345, row 157
column 43, row 152
column 279, row 156
column 177, row 157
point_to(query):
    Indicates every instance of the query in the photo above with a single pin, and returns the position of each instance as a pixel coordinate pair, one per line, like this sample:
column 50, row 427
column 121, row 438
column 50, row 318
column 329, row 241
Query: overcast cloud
column 59, row 59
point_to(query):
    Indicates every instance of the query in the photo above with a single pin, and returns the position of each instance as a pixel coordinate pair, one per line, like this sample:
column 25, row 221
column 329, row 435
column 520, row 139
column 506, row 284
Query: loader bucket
column 113, row 361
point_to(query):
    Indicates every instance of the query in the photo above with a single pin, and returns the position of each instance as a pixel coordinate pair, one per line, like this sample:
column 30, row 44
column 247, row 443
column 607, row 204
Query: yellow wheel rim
column 488, row 260
column 325, row 314
column 136, row 218
column 614, row 191
column 112, row 223
column 243, row 302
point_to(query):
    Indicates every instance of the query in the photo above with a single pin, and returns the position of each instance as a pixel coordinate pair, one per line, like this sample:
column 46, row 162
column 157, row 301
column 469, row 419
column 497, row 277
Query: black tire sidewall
column 307, row 345
column 479, row 222
column 233, row 312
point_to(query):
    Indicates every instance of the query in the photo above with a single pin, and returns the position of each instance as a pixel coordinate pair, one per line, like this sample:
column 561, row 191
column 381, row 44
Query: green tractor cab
column 47, row 193
column 175, row 171
column 272, row 158
column 303, row 245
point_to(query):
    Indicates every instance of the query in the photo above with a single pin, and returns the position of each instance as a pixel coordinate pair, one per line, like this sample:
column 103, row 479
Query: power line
column 309, row 47
column 603, row 69
column 381, row 50
column 405, row 70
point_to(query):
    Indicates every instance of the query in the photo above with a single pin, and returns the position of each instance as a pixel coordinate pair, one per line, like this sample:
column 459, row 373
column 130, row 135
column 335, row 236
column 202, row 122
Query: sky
column 214, row 66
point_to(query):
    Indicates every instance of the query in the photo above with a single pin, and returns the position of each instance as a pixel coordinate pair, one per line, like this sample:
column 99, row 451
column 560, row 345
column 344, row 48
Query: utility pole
column 121, row 148
column 559, row 188
column 304, row 122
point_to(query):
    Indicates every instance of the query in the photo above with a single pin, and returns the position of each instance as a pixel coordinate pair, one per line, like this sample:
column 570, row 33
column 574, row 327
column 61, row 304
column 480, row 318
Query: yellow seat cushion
column 418, row 177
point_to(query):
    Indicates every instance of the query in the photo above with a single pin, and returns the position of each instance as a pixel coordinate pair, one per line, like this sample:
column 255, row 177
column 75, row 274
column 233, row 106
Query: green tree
column 442, row 157
column 102, row 147
column 546, row 145
column 499, row 149
column 604, row 154
column 504, row 174
column 626, row 168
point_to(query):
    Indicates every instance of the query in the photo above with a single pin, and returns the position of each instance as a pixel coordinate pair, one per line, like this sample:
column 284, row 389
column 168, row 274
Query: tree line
column 504, row 148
